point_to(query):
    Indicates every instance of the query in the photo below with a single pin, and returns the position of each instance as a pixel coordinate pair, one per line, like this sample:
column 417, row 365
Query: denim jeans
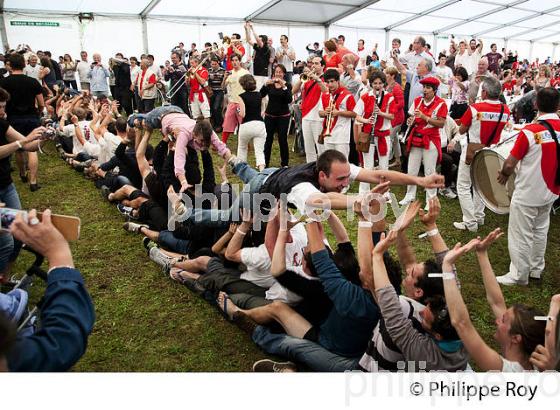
column 303, row 351
column 221, row 218
column 153, row 118
column 174, row 244
column 9, row 247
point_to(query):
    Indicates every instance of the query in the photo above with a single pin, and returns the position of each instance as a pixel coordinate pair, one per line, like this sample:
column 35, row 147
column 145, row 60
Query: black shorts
column 137, row 194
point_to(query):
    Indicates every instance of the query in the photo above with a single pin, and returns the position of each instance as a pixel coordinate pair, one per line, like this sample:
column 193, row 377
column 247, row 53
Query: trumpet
column 328, row 122
column 304, row 78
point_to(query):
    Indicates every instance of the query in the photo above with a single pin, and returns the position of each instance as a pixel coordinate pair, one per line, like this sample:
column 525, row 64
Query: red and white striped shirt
column 536, row 151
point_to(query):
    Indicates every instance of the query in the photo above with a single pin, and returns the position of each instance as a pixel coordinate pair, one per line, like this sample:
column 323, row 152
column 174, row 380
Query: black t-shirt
column 23, row 90
column 5, row 175
column 261, row 61
column 252, row 102
column 278, row 99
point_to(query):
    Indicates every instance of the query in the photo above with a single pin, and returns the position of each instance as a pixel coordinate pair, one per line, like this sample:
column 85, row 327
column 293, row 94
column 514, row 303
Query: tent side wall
column 110, row 34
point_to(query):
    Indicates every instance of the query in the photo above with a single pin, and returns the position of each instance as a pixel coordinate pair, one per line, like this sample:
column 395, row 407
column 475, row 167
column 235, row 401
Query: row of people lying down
column 275, row 289
column 343, row 309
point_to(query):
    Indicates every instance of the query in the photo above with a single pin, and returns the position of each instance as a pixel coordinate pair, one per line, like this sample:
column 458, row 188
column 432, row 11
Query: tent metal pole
column 3, row 33
column 145, row 35
column 387, row 40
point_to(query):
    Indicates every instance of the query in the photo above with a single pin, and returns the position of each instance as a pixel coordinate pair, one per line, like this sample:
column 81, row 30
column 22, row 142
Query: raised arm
column 547, row 357
column 338, row 228
column 493, row 292
column 432, row 232
column 404, row 250
column 220, row 246
column 482, row 354
column 233, row 250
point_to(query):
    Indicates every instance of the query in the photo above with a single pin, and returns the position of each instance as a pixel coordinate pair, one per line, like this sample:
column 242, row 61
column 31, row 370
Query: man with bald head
column 476, row 79
column 424, row 69
column 418, row 53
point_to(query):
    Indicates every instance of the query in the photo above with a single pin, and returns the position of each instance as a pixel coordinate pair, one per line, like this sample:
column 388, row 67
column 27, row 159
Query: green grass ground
column 146, row 322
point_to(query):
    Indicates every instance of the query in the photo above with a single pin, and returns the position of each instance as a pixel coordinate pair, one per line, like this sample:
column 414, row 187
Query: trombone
column 177, row 86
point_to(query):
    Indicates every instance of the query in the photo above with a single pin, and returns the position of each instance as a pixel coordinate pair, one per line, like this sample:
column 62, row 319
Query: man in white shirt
column 83, row 68
column 418, row 53
column 286, row 55
column 387, row 61
column 32, row 69
column 362, row 54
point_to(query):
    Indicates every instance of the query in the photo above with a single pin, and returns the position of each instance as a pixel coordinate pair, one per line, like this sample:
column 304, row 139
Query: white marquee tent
column 530, row 27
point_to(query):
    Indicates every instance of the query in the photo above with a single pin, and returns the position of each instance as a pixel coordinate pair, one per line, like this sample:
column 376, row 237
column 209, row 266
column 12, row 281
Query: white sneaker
column 507, row 280
column 535, row 275
column 406, row 200
column 161, row 259
column 463, row 227
column 480, row 221
column 448, row 193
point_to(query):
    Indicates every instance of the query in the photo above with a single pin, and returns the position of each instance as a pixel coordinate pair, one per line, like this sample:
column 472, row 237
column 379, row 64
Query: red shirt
column 342, row 51
column 341, row 95
column 196, row 87
column 382, row 126
column 310, row 97
column 399, row 105
column 436, row 109
column 332, row 62
column 230, row 52
column 151, row 80
column 482, row 119
column 508, row 85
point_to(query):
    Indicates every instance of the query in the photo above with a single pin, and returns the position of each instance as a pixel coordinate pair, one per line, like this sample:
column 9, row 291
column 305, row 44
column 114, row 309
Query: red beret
column 433, row 81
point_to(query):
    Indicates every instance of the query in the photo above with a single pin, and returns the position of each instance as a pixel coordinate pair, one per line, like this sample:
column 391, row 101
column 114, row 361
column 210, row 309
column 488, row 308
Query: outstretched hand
column 492, row 237
column 407, row 217
column 459, row 250
column 430, row 217
column 385, row 242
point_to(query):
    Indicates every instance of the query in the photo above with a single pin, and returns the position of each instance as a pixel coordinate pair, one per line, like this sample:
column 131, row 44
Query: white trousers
column 471, row 204
column 369, row 160
column 344, row 148
column 255, row 132
column 417, row 157
column 200, row 109
column 311, row 131
column 527, row 236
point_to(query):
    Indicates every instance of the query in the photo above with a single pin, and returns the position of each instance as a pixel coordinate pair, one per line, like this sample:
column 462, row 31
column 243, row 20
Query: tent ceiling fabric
column 507, row 19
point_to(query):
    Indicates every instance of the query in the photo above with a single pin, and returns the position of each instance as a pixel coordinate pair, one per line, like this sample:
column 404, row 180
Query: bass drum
column 484, row 176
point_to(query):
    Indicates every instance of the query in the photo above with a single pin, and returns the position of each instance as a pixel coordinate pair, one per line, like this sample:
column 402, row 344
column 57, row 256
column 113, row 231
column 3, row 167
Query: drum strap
column 491, row 138
column 550, row 129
